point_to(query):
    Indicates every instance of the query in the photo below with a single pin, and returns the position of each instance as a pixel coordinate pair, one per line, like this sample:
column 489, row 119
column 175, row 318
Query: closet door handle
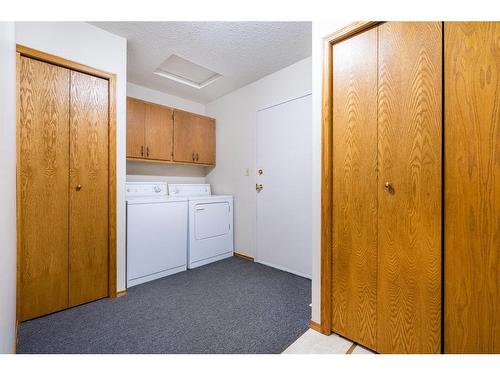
column 389, row 187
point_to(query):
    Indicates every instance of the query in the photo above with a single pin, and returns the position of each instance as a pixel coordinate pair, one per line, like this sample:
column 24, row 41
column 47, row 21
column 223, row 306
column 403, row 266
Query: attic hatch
column 186, row 72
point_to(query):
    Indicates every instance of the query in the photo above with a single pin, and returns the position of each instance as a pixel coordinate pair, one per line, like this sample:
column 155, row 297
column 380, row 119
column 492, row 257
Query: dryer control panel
column 189, row 190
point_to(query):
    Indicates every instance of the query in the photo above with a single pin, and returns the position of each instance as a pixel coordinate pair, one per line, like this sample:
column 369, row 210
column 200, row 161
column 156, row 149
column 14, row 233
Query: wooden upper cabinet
column 204, row 133
column 158, row 132
column 136, row 113
column 194, row 138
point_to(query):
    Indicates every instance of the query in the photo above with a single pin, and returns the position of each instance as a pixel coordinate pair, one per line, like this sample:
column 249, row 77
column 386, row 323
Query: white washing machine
column 210, row 230
column 157, row 229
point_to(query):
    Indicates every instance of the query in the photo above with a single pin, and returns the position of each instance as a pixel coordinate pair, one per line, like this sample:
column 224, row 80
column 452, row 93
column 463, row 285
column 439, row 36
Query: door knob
column 389, row 187
column 78, row 187
column 259, row 187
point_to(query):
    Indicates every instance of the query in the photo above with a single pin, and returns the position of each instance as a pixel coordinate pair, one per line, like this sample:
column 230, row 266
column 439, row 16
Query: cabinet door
column 43, row 187
column 472, row 187
column 136, row 114
column 184, row 137
column 354, row 273
column 194, row 138
column 158, row 132
column 409, row 211
column 88, row 219
column 205, row 140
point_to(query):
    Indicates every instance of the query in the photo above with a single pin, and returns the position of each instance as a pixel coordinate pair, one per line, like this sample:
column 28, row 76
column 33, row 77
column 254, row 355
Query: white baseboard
column 284, row 269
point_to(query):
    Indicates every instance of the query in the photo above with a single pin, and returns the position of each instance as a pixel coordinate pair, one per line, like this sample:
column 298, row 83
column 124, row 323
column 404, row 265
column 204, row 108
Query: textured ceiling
column 241, row 51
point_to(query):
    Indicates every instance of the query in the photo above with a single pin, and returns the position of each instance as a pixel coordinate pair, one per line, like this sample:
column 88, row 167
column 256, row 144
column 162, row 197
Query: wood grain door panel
column 354, row 268
column 136, row 117
column 205, row 140
column 43, row 163
column 409, row 214
column 184, row 137
column 472, row 187
column 88, row 229
column 158, row 132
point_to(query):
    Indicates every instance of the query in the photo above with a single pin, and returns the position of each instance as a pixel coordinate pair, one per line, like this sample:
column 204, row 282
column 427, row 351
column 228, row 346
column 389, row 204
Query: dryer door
column 211, row 219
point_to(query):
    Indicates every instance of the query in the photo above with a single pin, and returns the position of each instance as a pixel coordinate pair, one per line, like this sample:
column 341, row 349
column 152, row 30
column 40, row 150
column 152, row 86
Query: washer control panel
column 146, row 189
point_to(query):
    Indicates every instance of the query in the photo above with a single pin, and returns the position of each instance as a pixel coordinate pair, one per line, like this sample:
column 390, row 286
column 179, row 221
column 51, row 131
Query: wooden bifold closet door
column 88, row 224
column 63, row 179
column 472, row 187
column 409, row 188
column 44, row 182
column 354, row 289
column 386, row 271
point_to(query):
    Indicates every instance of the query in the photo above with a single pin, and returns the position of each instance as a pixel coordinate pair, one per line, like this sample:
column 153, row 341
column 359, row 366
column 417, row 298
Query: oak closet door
column 88, row 236
column 158, row 132
column 43, row 164
column 409, row 209
column 472, row 187
column 354, row 284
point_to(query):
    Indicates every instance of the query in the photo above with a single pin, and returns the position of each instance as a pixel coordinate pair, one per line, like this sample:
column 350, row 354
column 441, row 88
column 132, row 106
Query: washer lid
column 189, row 190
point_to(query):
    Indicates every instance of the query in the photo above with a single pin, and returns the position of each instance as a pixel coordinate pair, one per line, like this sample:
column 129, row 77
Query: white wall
column 143, row 171
column 158, row 97
column 319, row 31
column 236, row 120
column 89, row 45
column 7, row 188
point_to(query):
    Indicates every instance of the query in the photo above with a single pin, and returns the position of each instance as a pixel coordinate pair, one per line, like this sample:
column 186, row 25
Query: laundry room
column 181, row 180
column 205, row 206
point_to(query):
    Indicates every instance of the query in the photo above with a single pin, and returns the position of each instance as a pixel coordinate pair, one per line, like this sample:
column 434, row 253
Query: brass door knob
column 259, row 187
column 78, row 187
column 389, row 187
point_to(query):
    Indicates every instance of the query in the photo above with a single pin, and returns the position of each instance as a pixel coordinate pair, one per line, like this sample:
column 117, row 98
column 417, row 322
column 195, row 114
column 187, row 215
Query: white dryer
column 210, row 230
column 156, row 232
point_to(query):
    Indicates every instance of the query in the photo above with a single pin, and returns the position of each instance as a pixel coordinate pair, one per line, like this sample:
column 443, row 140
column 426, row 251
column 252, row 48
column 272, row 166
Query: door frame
column 111, row 78
column 325, row 325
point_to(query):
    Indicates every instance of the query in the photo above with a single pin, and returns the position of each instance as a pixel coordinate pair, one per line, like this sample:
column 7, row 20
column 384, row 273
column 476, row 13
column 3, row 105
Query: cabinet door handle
column 192, row 157
column 142, row 150
column 147, row 151
column 197, row 158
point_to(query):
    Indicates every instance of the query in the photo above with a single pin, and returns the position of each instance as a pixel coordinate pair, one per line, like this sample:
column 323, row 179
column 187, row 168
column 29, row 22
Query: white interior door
column 284, row 204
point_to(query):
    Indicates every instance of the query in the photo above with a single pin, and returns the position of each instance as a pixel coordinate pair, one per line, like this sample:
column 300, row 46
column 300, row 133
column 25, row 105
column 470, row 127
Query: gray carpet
column 231, row 306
